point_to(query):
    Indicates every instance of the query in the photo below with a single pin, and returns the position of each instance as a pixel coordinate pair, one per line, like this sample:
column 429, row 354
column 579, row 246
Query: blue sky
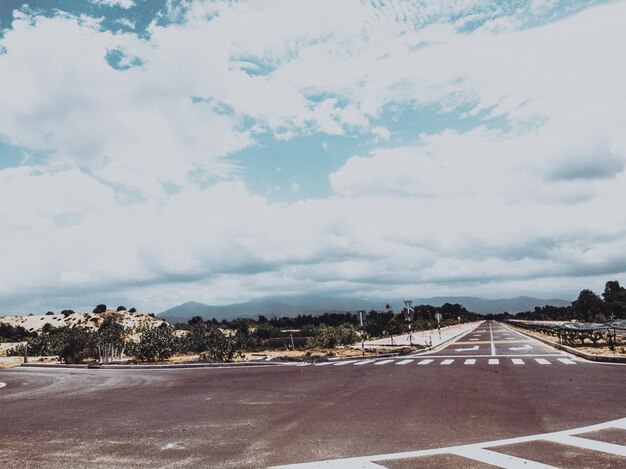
column 155, row 152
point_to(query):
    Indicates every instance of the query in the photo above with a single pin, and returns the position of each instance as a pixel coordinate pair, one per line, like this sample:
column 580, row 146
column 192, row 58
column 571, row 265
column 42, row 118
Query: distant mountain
column 318, row 304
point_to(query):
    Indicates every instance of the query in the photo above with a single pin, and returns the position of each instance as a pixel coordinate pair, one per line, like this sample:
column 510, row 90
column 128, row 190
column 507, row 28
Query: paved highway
column 492, row 398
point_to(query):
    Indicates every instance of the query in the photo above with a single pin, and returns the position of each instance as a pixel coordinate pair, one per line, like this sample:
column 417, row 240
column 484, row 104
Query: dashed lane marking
column 425, row 362
column 542, row 361
column 323, row 363
column 364, row 362
column 448, row 361
column 404, row 362
column 485, row 452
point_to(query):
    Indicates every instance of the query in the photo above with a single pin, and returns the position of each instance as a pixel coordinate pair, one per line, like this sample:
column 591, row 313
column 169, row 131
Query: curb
column 579, row 353
column 152, row 367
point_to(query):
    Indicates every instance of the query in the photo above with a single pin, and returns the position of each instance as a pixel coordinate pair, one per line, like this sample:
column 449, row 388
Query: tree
column 588, row 306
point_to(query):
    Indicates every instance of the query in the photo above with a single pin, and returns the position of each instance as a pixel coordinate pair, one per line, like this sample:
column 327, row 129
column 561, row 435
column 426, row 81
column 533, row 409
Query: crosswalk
column 518, row 362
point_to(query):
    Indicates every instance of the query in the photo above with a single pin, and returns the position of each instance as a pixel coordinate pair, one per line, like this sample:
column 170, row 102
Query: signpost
column 362, row 315
column 438, row 318
column 408, row 314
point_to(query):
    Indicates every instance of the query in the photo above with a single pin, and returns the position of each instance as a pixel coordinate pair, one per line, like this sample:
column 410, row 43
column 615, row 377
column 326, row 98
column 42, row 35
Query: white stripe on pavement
column 425, row 362
column 482, row 451
column 364, row 362
column 542, row 361
column 517, row 361
column 345, row 362
column 383, row 362
column 404, row 362
column 494, row 361
column 499, row 460
column 470, row 361
column 324, row 363
column 2, row 385
column 595, row 445
column 567, row 361
column 447, row 362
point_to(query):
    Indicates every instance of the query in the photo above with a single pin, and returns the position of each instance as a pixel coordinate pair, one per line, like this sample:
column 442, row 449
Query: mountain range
column 318, row 304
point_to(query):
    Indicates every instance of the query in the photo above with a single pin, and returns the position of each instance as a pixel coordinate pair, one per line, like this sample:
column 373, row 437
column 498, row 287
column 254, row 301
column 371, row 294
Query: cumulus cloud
column 131, row 189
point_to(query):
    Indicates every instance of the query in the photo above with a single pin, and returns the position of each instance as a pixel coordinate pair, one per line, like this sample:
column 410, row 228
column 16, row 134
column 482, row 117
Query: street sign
column 438, row 316
column 408, row 312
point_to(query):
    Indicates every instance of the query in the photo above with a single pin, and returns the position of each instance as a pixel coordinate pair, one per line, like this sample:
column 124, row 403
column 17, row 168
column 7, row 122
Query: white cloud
column 125, row 4
column 526, row 194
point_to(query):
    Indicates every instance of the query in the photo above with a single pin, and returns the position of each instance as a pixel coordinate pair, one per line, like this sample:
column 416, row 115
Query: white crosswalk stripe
column 345, row 362
column 567, row 361
column 425, row 362
column 542, row 361
column 449, row 361
column 384, row 362
column 404, row 362
column 364, row 362
column 323, row 363
column 494, row 361
column 470, row 361
column 517, row 361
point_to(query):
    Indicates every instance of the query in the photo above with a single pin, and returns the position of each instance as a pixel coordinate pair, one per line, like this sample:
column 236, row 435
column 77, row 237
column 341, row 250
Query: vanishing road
column 492, row 398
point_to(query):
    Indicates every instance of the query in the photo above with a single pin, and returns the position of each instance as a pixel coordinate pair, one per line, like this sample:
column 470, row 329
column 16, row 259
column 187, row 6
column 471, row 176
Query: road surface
column 492, row 398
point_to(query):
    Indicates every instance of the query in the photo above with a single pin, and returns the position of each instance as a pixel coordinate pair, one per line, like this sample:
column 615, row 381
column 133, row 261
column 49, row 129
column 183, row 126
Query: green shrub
column 156, row 343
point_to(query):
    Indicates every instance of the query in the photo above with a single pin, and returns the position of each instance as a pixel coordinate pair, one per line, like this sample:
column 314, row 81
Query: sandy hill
column 35, row 323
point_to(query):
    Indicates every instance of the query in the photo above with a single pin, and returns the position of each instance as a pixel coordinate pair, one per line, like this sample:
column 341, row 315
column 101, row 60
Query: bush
column 67, row 312
column 121, row 308
column 100, row 309
column 210, row 342
column 132, row 310
column 329, row 337
column 49, row 313
column 156, row 343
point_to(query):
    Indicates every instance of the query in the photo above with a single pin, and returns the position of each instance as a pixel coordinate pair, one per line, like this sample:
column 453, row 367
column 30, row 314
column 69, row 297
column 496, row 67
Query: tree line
column 588, row 307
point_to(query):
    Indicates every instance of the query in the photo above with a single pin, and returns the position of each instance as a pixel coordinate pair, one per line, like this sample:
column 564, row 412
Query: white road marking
column 523, row 347
column 469, row 349
column 499, row 459
column 481, row 452
column 383, row 362
column 345, row 362
column 494, row 361
column 404, row 362
column 517, row 361
column 542, row 361
column 571, row 440
column 2, row 385
column 425, row 362
column 449, row 361
column 364, row 362
column 323, row 363
column 493, row 346
column 470, row 361
column 567, row 361
column 474, row 339
column 509, row 338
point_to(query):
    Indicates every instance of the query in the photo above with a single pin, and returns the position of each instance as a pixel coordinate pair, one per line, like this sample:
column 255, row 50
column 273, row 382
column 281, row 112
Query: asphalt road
column 510, row 386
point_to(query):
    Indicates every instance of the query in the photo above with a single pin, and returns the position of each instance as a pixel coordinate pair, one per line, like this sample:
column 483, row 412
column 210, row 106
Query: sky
column 157, row 152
